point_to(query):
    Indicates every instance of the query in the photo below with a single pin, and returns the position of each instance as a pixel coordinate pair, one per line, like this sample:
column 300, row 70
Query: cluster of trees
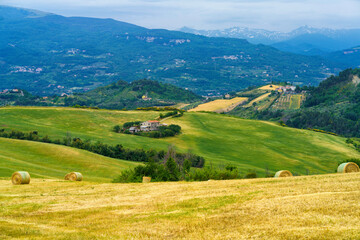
column 170, row 170
column 117, row 151
column 159, row 109
column 164, row 131
column 355, row 142
column 322, row 131
column 175, row 113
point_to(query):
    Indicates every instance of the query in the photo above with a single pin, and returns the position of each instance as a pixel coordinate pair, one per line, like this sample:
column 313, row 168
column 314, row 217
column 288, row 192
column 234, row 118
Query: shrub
column 251, row 175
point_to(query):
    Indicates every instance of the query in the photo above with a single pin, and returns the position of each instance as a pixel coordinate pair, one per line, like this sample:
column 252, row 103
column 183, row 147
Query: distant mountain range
column 48, row 54
column 304, row 40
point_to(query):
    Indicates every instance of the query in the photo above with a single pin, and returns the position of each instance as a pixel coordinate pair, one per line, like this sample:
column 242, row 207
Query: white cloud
column 210, row 14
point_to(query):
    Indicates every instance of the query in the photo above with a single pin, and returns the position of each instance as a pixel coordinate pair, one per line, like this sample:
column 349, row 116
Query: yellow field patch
column 220, row 105
column 269, row 87
column 262, row 97
column 309, row 207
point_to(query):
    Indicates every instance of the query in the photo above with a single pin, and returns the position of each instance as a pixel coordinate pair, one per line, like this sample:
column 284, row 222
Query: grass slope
column 311, row 207
column 43, row 160
column 221, row 139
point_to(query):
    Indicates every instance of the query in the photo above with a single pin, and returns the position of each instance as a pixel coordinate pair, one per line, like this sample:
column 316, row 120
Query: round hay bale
column 20, row 177
column 283, row 173
column 67, row 176
column 348, row 167
column 74, row 176
column 146, row 179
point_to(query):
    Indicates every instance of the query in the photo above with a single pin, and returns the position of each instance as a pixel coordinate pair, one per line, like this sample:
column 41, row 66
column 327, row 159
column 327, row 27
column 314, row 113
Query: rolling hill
column 141, row 93
column 333, row 106
column 349, row 56
column 118, row 95
column 309, row 207
column 220, row 139
column 44, row 160
column 51, row 54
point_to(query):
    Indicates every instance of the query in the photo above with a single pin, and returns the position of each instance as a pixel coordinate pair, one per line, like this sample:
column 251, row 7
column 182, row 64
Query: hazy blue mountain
column 51, row 54
column 304, row 40
column 254, row 36
column 310, row 44
column 350, row 57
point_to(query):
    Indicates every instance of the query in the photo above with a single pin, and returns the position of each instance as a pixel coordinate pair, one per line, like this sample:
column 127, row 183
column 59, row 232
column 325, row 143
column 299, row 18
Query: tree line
column 170, row 170
column 118, row 151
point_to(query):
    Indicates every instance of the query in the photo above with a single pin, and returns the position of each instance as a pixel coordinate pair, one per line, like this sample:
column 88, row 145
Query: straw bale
column 20, row 177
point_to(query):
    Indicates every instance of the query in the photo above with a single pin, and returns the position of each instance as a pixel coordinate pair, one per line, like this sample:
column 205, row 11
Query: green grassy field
column 295, row 101
column 249, row 144
column 43, row 160
column 307, row 207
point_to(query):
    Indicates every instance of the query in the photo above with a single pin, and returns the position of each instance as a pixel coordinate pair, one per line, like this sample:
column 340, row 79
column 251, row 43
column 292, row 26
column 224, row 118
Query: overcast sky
column 283, row 15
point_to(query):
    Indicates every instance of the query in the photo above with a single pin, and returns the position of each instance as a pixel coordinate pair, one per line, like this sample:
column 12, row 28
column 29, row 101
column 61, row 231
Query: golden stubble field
column 220, row 105
column 309, row 207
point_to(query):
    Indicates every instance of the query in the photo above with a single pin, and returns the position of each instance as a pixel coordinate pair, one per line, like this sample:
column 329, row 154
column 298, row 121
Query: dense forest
column 334, row 106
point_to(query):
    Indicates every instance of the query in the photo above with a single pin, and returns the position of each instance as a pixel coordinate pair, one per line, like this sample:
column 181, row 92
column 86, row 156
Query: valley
column 96, row 52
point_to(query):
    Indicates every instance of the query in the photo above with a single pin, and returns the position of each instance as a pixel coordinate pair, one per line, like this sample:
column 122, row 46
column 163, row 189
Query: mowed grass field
column 220, row 139
column 219, row 105
column 43, row 160
column 308, row 207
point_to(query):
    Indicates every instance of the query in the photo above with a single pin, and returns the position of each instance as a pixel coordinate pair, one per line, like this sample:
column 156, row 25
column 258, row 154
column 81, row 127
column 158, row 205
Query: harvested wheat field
column 311, row 207
column 220, row 105
column 262, row 97
column 269, row 87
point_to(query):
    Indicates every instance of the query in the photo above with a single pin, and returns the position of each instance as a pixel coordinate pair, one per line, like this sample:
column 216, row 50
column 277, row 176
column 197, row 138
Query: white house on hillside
column 151, row 125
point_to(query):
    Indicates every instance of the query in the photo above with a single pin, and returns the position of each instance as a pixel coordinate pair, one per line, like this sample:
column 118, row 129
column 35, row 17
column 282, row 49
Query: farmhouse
column 134, row 129
column 151, row 125
column 286, row 89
